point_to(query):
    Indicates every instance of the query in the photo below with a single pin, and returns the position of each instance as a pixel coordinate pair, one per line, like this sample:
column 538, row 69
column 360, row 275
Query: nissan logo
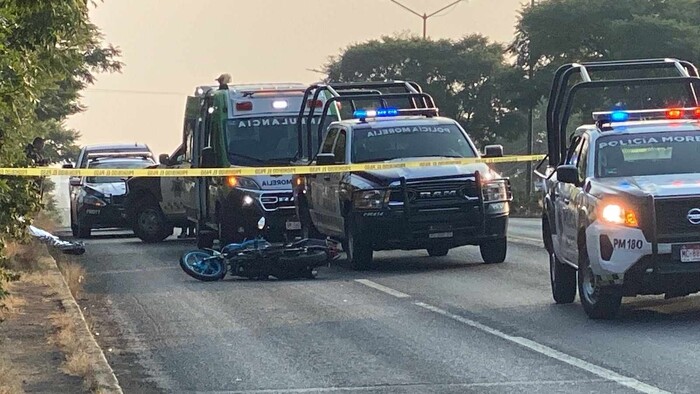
column 694, row 216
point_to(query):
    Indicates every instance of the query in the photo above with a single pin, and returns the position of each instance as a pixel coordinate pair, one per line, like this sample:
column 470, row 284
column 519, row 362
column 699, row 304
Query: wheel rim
column 149, row 221
column 203, row 264
column 589, row 289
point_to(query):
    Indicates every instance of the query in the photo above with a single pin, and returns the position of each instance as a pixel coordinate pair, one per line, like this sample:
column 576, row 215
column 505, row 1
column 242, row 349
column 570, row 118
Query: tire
column 562, row 278
column 82, row 231
column 358, row 249
column 494, row 251
column 74, row 230
column 598, row 303
column 150, row 224
column 438, row 251
column 213, row 270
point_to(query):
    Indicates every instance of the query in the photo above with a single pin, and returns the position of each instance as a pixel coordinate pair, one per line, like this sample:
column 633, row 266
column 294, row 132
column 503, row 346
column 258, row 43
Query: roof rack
column 351, row 92
column 561, row 95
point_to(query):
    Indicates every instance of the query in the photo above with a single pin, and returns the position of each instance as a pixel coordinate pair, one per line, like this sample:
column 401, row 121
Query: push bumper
column 245, row 208
column 394, row 230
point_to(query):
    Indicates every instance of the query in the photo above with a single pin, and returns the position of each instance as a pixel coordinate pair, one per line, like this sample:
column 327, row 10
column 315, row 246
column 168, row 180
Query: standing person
column 35, row 153
column 223, row 80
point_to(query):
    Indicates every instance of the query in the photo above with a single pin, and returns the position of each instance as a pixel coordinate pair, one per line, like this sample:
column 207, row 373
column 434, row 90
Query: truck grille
column 672, row 223
column 437, row 192
column 277, row 200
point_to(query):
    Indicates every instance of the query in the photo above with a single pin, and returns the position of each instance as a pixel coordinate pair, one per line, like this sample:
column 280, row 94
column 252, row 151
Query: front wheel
column 203, row 265
column 150, row 224
column 438, row 251
column 494, row 251
column 562, row 277
column 598, row 302
column 358, row 249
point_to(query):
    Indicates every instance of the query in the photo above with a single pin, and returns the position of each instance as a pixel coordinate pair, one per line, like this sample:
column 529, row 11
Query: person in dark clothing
column 223, row 80
column 35, row 152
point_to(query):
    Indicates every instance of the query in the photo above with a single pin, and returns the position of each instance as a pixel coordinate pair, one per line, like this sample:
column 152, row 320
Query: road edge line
column 382, row 288
column 105, row 379
column 551, row 353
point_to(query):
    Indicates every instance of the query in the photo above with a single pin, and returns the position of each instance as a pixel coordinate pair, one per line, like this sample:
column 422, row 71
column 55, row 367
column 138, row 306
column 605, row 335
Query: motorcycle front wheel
column 203, row 265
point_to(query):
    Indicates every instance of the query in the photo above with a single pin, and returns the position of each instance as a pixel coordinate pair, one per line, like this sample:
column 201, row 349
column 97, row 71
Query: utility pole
column 425, row 16
column 530, row 126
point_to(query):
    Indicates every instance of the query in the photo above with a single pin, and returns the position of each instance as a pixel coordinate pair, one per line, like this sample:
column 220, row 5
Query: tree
column 468, row 78
column 49, row 51
column 562, row 31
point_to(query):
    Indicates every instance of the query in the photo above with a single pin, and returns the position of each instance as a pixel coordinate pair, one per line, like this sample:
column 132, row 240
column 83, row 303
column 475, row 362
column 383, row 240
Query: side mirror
column 493, row 151
column 67, row 165
column 75, row 181
column 164, row 159
column 325, row 159
column 568, row 173
column 208, row 160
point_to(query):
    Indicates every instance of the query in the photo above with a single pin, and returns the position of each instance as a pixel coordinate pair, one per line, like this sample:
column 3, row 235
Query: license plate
column 447, row 234
column 690, row 253
column 293, row 225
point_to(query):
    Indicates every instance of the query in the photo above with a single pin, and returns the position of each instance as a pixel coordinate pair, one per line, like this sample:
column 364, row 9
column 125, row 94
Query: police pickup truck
column 622, row 200
column 434, row 208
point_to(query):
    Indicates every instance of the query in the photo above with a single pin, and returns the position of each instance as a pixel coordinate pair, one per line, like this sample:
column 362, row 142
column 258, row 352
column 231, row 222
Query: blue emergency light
column 619, row 116
column 375, row 113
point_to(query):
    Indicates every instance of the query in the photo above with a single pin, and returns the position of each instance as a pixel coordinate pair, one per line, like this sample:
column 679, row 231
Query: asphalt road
column 415, row 324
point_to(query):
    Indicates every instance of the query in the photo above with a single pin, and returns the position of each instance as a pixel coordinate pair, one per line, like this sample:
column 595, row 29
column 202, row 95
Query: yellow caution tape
column 247, row 171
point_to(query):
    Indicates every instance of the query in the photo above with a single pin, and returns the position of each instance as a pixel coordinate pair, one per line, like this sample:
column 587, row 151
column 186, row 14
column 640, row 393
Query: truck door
column 576, row 201
column 197, row 208
column 321, row 204
column 564, row 209
column 337, row 221
column 174, row 189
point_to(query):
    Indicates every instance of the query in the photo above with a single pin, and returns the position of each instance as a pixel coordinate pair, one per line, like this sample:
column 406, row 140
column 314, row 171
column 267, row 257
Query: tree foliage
column 49, row 51
column 469, row 78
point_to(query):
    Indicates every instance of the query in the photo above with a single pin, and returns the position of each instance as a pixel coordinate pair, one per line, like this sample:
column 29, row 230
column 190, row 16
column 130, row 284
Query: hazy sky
column 171, row 46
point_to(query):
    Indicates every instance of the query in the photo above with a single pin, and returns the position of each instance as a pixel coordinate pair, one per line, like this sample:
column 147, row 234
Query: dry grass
column 74, row 274
column 25, row 257
column 10, row 382
column 45, row 222
column 67, row 339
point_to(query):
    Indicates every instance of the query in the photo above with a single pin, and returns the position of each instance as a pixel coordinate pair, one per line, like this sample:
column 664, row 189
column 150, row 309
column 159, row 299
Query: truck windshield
column 261, row 141
column 409, row 141
column 648, row 154
column 114, row 164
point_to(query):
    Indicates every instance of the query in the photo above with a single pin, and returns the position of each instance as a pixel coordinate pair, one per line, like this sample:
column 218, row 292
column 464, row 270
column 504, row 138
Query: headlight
column 495, row 191
column 244, row 183
column 89, row 199
column 370, row 199
column 247, row 201
column 618, row 214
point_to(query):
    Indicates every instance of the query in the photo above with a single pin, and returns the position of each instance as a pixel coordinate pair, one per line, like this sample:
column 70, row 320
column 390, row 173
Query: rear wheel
column 150, row 224
column 494, row 251
column 563, row 280
column 438, row 251
column 358, row 248
column 598, row 302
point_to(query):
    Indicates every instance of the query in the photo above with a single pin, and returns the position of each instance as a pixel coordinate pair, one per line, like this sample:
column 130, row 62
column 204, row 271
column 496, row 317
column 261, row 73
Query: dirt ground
column 25, row 344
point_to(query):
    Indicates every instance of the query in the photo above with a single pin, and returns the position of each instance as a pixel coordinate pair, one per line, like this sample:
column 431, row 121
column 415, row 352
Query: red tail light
column 244, row 106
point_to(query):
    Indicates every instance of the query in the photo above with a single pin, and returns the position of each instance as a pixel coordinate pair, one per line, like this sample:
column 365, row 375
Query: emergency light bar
column 375, row 113
column 646, row 114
